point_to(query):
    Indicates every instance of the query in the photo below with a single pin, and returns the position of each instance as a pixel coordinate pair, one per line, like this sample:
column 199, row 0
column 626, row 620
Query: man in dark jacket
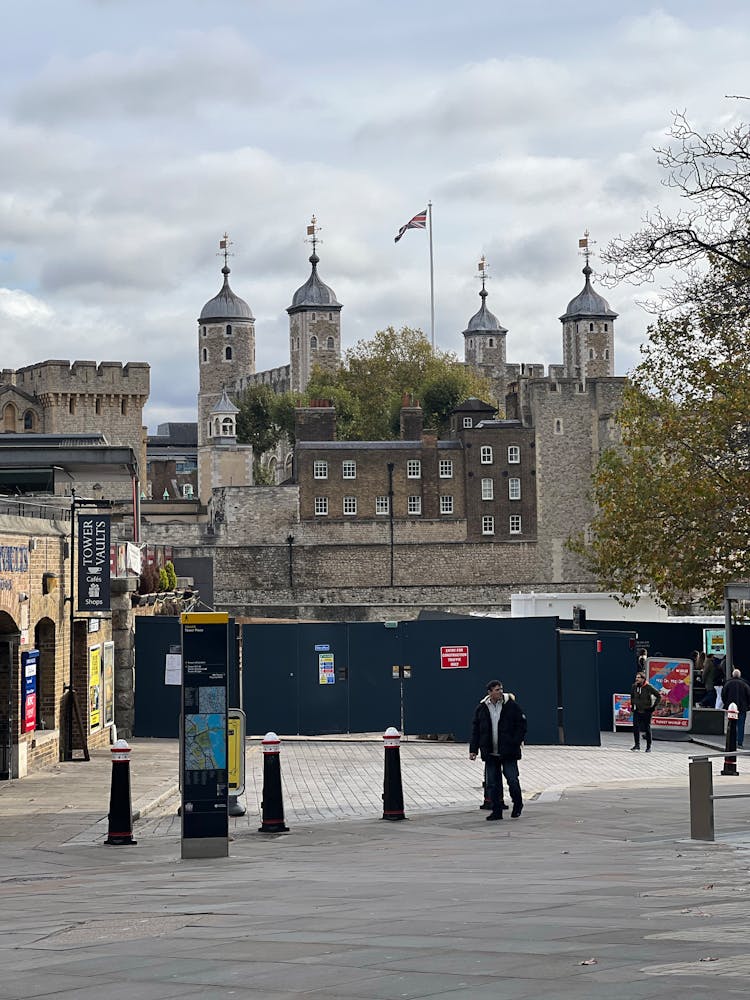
column 497, row 732
column 737, row 690
column 643, row 698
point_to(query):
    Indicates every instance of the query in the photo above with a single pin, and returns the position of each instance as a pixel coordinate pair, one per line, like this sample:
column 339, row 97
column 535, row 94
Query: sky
column 134, row 134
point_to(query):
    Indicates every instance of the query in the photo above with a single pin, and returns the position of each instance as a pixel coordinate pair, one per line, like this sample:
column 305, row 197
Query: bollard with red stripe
column 273, row 803
column 730, row 763
column 120, row 826
column 393, row 793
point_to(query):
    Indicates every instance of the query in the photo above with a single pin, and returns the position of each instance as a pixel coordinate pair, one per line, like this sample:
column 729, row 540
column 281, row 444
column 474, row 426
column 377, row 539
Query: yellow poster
column 95, row 686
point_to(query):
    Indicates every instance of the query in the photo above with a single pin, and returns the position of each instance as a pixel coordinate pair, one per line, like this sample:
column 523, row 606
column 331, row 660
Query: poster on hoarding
column 108, row 676
column 715, row 641
column 95, row 687
column 673, row 678
column 454, row 657
column 29, row 663
column 622, row 711
column 326, row 674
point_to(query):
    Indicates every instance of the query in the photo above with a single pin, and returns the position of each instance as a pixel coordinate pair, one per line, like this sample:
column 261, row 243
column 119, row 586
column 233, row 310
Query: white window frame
column 488, row 489
column 413, row 468
column 445, row 468
column 382, row 505
column 514, row 489
column 188, row 491
column 321, row 506
column 446, row 504
column 514, row 524
column 514, row 454
column 485, row 454
column 414, row 505
column 349, row 506
column 488, row 524
column 468, row 422
column 349, row 469
column 320, row 469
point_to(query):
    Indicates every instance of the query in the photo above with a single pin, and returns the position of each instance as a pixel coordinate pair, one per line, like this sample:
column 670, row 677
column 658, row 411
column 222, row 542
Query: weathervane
column 483, row 268
column 584, row 246
column 224, row 244
column 312, row 231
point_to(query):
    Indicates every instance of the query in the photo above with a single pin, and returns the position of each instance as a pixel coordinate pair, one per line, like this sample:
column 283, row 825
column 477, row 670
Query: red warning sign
column 454, row 657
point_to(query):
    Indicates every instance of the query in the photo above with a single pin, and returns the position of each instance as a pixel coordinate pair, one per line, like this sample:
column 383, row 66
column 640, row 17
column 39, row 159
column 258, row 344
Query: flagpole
column 432, row 282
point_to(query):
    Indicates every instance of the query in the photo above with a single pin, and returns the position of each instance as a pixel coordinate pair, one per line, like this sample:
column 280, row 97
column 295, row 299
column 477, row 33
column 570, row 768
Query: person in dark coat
column 497, row 732
column 737, row 690
column 644, row 698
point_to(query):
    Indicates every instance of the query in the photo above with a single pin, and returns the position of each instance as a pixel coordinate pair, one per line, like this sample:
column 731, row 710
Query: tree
column 377, row 373
column 673, row 504
column 256, row 422
column 711, row 173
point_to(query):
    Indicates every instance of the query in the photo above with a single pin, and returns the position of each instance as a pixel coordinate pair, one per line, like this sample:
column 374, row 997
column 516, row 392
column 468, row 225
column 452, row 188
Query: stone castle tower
column 588, row 331
column 314, row 324
column 484, row 343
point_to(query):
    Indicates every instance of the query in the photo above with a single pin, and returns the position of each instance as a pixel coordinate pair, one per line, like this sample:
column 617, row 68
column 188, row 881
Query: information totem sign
column 29, row 664
column 93, row 562
column 204, row 758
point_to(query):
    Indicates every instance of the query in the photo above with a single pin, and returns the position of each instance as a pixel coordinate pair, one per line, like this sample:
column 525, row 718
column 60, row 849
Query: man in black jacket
column 497, row 732
column 737, row 690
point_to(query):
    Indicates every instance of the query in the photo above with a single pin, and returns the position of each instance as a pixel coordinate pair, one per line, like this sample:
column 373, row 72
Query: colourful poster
column 674, row 679
column 95, row 687
column 29, row 662
column 326, row 674
column 714, row 641
column 108, row 671
column 622, row 711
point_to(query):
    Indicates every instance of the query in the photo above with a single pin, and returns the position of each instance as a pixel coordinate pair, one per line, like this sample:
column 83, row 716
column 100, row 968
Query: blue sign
column 323, row 647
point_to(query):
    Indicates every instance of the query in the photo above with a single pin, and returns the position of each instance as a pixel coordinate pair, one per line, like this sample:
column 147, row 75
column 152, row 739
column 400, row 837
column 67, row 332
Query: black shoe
column 648, row 749
column 517, row 810
column 486, row 805
column 494, row 815
column 632, row 749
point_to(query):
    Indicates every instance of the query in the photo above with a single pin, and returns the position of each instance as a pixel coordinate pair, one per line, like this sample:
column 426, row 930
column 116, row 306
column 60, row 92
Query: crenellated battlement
column 82, row 377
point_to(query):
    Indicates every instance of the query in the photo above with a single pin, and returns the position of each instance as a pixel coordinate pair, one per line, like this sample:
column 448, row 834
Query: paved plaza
column 594, row 892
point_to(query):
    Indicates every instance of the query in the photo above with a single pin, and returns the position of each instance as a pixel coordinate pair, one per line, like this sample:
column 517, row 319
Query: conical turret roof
column 226, row 305
column 588, row 302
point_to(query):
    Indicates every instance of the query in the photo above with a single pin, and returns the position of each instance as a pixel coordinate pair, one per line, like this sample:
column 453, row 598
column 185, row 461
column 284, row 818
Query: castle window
column 203, row 330
column 606, row 354
column 321, row 506
column 330, row 344
column 488, row 490
column 229, row 330
column 515, row 524
column 124, row 407
column 313, row 343
column 381, row 505
column 72, row 405
column 414, row 505
column 488, row 525
column 28, row 420
column 330, row 316
column 514, row 489
column 313, row 316
column 210, row 429
column 349, row 470
column 606, row 327
column 320, row 470
column 558, row 425
column 97, row 406
column 350, row 505
column 485, row 455
column 445, row 468
column 591, row 327
column 204, row 354
column 468, row 422
column 446, row 505
column 553, row 387
column 413, row 469
column 227, row 427
column 591, row 353
column 492, row 341
column 514, row 454
column 227, row 353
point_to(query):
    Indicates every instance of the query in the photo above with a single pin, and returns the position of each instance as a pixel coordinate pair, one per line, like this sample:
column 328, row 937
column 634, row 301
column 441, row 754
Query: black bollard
column 273, row 803
column 730, row 763
column 120, row 828
column 393, row 793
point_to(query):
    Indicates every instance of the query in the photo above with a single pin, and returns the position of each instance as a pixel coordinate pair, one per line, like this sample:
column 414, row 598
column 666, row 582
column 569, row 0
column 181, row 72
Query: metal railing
column 30, row 508
column 702, row 798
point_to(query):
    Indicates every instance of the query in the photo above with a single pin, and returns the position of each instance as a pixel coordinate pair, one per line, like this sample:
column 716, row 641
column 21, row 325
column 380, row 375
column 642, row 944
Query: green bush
column 163, row 579
column 171, row 576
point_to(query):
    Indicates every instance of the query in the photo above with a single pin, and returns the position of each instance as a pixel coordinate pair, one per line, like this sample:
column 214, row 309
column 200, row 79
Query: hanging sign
column 93, row 562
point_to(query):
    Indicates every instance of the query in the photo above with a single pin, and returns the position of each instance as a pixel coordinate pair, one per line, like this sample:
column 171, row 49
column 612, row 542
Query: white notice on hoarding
column 173, row 669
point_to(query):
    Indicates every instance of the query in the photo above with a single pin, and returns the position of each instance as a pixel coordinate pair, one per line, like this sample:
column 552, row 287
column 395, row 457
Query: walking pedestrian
column 737, row 690
column 497, row 732
column 644, row 698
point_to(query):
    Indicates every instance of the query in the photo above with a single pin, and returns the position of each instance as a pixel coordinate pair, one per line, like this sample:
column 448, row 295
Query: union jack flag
column 418, row 222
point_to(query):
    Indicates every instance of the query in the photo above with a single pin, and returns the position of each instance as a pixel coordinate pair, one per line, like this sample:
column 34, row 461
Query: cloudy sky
column 132, row 134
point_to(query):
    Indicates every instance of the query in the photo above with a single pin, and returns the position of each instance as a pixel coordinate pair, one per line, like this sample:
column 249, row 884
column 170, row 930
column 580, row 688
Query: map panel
column 205, row 741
